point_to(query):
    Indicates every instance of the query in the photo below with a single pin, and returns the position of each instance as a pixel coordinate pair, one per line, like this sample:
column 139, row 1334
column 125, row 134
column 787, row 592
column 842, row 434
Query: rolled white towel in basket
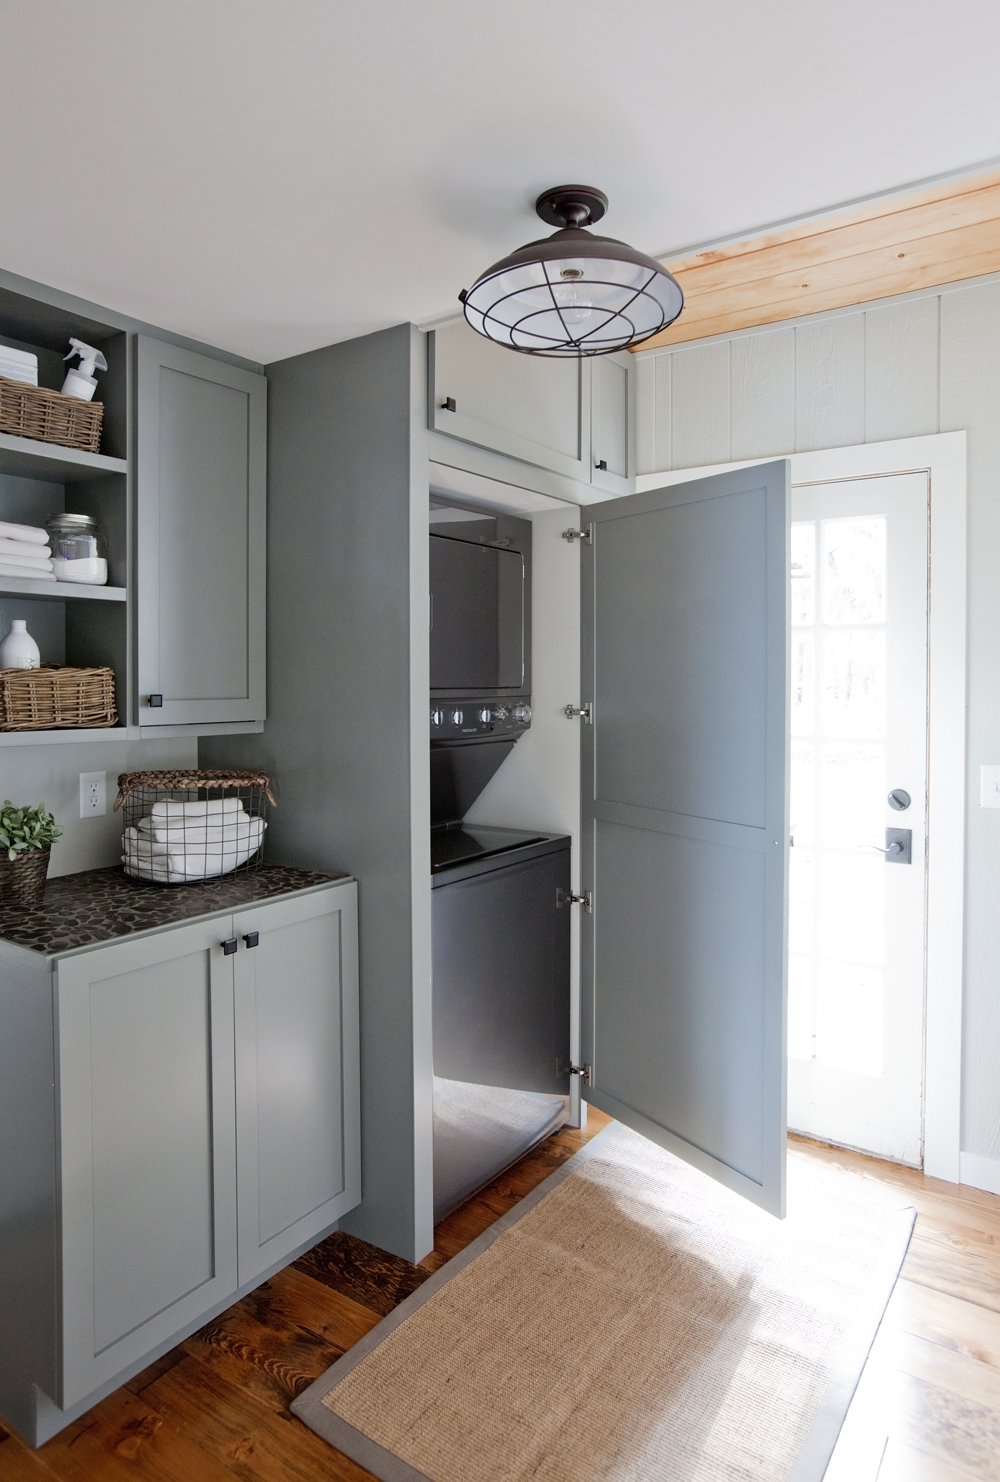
column 172, row 861
column 200, row 808
column 232, row 829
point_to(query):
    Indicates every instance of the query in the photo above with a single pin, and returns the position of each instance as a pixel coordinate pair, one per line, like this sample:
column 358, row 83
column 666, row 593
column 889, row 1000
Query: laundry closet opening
column 501, row 870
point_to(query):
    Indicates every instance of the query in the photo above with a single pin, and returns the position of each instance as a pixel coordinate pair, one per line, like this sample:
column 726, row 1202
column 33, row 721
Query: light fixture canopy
column 573, row 293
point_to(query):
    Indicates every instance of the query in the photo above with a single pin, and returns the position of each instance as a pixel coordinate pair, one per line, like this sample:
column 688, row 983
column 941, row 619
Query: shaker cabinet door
column 147, row 1152
column 530, row 408
column 685, row 643
column 612, row 423
column 200, row 509
column 297, row 1072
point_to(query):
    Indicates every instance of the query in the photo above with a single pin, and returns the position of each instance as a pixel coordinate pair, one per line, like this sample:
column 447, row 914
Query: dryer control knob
column 486, row 715
column 437, row 717
column 457, row 717
column 522, row 713
column 501, row 712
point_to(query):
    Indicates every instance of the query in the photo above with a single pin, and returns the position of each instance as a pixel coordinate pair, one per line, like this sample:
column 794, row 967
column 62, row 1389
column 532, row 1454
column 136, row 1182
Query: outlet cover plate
column 989, row 787
column 93, row 794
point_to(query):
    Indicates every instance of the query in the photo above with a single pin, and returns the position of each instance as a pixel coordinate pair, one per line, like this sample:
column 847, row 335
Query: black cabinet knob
column 156, row 702
column 229, row 947
column 449, row 404
column 252, row 938
column 602, row 464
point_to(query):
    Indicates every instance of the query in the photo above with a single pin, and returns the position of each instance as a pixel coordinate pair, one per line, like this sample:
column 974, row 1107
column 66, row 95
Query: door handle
column 898, row 846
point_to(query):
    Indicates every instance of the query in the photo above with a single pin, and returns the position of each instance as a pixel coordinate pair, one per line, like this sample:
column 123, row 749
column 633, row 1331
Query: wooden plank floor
column 216, row 1407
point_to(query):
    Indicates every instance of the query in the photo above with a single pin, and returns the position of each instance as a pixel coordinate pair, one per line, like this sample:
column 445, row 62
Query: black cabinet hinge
column 567, row 898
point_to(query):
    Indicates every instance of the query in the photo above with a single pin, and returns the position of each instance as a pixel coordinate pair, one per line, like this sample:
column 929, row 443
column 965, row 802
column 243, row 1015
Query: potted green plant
column 26, row 836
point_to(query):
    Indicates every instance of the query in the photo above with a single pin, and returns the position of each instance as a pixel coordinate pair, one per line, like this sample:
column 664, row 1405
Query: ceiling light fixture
column 573, row 293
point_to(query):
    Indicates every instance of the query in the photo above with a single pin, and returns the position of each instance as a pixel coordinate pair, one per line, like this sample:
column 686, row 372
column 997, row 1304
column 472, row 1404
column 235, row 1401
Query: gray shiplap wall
column 904, row 368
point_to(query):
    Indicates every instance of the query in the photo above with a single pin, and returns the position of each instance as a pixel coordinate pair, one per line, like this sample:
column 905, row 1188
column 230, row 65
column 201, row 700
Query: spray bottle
column 80, row 379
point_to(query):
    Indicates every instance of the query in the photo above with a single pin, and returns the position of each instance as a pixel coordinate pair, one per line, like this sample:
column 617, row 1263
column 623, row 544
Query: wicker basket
column 56, row 698
column 22, row 880
column 50, row 417
column 184, row 827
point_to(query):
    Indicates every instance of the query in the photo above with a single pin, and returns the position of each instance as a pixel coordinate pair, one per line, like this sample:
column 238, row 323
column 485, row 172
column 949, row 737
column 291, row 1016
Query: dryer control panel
column 454, row 720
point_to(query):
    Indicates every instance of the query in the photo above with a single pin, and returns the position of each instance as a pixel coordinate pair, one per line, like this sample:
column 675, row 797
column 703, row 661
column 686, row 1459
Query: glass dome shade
column 573, row 294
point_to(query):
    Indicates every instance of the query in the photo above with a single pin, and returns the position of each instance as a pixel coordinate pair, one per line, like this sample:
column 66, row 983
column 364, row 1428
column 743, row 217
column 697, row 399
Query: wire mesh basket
column 181, row 827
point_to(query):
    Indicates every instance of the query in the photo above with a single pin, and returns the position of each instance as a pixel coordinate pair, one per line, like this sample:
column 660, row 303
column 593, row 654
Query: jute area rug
column 630, row 1319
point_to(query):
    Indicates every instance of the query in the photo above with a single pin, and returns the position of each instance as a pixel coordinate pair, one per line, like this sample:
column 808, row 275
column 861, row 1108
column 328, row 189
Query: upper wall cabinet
column 572, row 417
column 612, row 423
column 201, row 513
column 534, row 409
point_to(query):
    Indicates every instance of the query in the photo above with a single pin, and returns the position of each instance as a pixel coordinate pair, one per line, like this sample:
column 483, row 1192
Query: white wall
column 903, row 368
column 49, row 773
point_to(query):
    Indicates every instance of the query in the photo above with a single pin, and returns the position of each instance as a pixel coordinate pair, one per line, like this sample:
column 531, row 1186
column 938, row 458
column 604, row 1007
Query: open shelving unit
column 21, row 457
column 60, row 591
column 71, row 623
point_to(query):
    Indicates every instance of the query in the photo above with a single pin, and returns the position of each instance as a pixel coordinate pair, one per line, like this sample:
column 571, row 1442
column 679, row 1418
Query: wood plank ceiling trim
column 921, row 241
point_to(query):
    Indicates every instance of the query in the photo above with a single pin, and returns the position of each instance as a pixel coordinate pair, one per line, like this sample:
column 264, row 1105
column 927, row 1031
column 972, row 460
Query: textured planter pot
column 22, row 880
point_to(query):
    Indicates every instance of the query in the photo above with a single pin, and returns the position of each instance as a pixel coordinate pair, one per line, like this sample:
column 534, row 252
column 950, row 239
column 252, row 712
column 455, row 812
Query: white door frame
column 943, row 457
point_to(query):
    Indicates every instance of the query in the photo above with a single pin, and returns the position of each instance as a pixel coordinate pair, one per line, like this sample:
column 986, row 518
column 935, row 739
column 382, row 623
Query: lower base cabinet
column 207, row 1121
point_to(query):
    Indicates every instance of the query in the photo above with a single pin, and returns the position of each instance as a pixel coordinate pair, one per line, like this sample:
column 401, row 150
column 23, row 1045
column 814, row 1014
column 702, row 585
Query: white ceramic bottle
column 19, row 650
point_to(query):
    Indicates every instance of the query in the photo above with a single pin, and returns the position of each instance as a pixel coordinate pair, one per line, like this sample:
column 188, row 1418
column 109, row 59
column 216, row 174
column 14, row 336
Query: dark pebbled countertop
column 103, row 905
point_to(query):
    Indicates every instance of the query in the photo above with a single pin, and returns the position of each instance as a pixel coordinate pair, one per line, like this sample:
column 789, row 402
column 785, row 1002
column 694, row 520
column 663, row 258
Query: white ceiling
column 273, row 175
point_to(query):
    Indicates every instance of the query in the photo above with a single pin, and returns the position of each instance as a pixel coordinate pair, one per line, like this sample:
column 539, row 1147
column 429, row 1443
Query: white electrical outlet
column 93, row 794
column 989, row 787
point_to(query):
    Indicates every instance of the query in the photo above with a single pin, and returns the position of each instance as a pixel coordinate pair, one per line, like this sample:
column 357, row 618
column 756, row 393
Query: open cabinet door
column 685, row 820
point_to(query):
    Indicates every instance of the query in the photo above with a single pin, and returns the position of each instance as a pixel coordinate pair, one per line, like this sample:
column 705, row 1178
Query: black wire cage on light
column 573, row 293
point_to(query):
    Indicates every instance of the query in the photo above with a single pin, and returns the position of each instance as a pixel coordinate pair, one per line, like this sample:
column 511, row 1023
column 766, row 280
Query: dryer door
column 685, row 819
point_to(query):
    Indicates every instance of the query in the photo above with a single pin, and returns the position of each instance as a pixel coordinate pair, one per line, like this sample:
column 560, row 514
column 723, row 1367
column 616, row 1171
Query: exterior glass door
column 859, row 733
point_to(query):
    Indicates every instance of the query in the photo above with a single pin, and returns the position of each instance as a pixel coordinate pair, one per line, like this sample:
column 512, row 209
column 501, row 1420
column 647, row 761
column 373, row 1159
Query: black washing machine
column 501, row 952
column 500, row 943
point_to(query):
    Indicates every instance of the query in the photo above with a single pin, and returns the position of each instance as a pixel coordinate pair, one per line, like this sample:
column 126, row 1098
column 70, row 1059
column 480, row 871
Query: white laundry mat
column 630, row 1320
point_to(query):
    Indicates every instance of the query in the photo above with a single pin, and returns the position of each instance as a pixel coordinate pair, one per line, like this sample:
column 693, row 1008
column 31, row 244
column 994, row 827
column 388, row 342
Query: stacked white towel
column 191, row 841
column 25, row 552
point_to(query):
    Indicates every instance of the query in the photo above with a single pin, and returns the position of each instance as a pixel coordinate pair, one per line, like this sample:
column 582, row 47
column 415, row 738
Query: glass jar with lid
column 79, row 549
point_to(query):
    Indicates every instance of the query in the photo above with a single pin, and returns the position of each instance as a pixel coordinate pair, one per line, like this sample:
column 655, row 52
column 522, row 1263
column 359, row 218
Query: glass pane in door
column 838, row 784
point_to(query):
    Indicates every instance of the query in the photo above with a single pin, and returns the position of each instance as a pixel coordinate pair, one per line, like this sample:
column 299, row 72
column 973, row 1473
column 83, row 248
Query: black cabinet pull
column 156, row 702
column 602, row 464
column 449, row 404
column 229, row 947
column 252, row 938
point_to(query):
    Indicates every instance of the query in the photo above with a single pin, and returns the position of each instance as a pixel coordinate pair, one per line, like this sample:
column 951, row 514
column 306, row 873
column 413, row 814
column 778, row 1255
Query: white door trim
column 943, row 456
